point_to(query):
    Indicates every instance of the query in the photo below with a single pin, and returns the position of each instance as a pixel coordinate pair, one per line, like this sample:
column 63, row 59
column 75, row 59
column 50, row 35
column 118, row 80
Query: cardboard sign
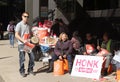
column 87, row 66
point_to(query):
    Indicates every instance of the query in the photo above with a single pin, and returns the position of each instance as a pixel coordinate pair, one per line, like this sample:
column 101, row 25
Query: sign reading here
column 87, row 66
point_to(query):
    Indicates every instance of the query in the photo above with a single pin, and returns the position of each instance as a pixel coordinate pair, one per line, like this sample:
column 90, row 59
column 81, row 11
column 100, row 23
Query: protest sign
column 87, row 66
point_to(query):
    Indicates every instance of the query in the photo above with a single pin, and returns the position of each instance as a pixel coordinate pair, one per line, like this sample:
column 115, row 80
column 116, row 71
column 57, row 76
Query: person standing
column 21, row 31
column 11, row 31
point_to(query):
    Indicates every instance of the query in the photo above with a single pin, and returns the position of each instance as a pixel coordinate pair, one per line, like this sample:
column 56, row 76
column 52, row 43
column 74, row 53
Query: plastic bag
column 65, row 63
column 58, row 68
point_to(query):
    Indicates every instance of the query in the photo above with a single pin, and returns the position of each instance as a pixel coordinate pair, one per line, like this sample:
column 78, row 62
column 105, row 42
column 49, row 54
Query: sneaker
column 31, row 72
column 23, row 74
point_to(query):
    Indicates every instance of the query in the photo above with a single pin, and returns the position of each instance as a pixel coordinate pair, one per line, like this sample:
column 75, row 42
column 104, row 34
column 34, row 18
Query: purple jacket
column 63, row 48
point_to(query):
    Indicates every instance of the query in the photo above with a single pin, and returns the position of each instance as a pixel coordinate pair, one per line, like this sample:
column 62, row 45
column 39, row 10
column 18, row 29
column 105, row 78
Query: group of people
column 64, row 48
column 61, row 49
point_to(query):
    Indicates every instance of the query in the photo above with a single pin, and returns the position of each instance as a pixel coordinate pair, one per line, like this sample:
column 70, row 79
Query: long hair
column 60, row 36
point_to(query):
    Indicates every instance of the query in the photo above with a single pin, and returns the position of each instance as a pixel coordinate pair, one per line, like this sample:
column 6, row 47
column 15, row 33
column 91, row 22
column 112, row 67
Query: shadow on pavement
column 3, row 44
column 42, row 69
column 6, row 57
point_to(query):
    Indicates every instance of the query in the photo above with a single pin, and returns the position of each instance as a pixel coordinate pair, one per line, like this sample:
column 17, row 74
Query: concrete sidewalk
column 9, row 69
column 1, row 79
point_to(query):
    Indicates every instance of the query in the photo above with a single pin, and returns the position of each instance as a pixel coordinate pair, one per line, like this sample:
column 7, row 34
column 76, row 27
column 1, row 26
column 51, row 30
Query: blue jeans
column 22, row 59
column 11, row 38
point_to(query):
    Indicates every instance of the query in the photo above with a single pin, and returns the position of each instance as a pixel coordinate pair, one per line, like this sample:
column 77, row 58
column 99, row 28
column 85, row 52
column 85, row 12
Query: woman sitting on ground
column 63, row 50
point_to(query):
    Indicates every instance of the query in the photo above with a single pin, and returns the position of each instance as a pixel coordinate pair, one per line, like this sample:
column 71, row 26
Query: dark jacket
column 63, row 48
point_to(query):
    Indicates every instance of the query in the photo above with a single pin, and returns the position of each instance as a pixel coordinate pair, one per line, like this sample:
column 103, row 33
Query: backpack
column 11, row 28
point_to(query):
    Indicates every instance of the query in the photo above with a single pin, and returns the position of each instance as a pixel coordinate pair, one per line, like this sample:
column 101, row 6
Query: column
column 29, row 9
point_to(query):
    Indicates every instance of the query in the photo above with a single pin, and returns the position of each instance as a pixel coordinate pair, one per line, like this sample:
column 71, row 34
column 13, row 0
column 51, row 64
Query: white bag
column 117, row 56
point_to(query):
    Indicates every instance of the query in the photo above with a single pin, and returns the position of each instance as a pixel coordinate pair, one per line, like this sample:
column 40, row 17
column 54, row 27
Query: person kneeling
column 63, row 50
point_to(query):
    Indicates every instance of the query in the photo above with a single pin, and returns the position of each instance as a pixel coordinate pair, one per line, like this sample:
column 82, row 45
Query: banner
column 87, row 66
